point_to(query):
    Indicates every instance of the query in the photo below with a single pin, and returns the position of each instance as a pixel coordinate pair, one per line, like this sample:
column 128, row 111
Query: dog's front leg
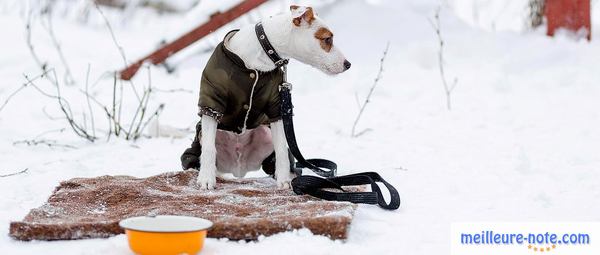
column 282, row 162
column 207, row 177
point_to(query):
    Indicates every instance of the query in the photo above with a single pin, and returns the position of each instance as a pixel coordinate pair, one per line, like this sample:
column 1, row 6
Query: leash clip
column 282, row 62
column 285, row 85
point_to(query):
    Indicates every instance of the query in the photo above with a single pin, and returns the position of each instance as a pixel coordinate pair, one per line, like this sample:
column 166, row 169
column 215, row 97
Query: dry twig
column 87, row 96
column 49, row 143
column 368, row 98
column 28, row 27
column 21, row 88
column 68, row 79
column 13, row 174
column 447, row 88
column 139, row 120
column 116, row 43
column 64, row 107
column 112, row 34
column 38, row 140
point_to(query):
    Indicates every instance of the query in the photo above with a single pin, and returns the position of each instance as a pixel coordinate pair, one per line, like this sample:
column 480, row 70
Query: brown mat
column 240, row 209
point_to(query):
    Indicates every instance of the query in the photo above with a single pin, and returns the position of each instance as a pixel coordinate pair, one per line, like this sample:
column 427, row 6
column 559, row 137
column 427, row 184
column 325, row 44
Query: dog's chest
column 240, row 153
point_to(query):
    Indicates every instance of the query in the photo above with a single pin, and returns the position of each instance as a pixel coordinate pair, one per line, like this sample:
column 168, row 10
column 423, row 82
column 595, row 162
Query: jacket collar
column 234, row 57
column 229, row 54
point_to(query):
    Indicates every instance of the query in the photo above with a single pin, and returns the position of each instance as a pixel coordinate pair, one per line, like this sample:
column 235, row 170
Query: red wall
column 570, row 14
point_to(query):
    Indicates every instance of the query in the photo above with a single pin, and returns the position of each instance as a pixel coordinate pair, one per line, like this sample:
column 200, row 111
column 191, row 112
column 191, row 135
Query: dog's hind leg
column 282, row 163
column 190, row 159
column 207, row 177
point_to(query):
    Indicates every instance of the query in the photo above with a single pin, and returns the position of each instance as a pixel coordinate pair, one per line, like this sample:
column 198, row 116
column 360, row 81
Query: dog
column 241, row 128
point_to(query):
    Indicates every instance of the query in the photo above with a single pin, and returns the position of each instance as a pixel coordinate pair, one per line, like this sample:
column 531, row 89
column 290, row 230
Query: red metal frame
column 216, row 21
column 569, row 14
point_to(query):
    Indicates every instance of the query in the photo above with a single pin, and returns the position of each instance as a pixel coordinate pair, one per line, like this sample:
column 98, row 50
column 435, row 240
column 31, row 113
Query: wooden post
column 568, row 14
column 216, row 21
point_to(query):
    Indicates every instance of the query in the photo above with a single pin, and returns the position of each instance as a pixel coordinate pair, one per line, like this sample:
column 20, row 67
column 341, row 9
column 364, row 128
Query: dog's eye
column 328, row 40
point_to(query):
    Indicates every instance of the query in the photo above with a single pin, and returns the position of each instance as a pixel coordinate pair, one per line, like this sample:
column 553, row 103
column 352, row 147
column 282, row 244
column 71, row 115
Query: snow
column 520, row 143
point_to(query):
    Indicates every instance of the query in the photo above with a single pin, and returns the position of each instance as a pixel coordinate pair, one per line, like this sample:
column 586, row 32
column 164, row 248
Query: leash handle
column 314, row 186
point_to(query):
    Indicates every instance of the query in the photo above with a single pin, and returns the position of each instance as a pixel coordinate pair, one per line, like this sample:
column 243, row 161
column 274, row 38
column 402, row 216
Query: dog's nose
column 347, row 65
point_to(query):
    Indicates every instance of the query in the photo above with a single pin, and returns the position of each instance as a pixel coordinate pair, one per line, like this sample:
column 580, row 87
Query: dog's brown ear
column 302, row 14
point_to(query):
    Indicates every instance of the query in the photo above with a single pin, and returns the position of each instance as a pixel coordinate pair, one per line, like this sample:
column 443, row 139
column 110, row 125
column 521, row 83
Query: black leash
column 313, row 185
column 322, row 167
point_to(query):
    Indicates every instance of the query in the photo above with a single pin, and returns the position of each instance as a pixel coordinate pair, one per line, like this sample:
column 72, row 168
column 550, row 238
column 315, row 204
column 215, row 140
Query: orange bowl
column 165, row 234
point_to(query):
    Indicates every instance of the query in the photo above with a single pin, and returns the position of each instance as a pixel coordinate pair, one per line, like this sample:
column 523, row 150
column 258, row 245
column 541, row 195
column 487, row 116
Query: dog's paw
column 207, row 178
column 284, row 184
column 283, row 179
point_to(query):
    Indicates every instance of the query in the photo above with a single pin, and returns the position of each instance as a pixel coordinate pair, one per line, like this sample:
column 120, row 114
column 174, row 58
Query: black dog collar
column 267, row 47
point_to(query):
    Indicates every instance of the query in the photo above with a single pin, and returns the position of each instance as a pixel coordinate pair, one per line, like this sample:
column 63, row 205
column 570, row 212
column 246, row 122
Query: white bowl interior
column 165, row 223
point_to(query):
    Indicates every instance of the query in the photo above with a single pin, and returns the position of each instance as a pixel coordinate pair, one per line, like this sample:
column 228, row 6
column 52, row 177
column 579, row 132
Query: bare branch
column 143, row 109
column 154, row 115
column 116, row 43
column 69, row 80
column 21, row 88
column 120, row 104
column 112, row 33
column 49, row 143
column 65, row 108
column 11, row 96
column 80, row 126
column 114, row 107
column 43, row 65
column 50, row 117
column 447, row 89
column 13, row 174
column 114, row 113
column 112, row 121
column 64, row 105
column 363, row 132
column 87, row 95
column 368, row 98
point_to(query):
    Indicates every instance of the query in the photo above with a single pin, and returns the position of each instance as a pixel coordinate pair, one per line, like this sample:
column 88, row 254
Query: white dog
column 298, row 34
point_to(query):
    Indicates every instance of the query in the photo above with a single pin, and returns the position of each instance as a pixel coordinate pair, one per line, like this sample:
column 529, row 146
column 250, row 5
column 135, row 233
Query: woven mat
column 240, row 209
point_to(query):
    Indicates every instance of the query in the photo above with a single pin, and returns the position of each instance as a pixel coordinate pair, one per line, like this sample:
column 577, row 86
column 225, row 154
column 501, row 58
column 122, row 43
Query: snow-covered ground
column 521, row 142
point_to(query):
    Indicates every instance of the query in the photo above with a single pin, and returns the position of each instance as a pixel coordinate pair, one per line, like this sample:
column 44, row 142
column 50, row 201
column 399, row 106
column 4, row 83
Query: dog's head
column 312, row 42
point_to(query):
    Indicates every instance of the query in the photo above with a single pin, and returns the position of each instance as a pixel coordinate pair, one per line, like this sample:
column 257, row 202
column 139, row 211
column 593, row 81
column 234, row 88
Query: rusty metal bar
column 216, row 21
